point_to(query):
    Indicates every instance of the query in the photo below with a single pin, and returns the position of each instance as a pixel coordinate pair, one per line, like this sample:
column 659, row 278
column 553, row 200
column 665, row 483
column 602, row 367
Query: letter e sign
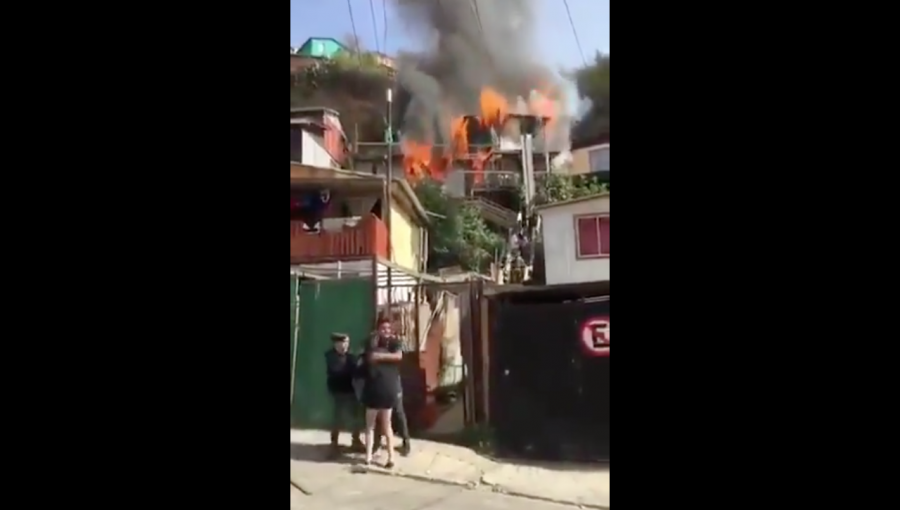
column 595, row 336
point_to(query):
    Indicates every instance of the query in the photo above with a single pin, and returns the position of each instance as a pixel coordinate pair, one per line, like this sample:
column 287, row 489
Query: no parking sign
column 595, row 336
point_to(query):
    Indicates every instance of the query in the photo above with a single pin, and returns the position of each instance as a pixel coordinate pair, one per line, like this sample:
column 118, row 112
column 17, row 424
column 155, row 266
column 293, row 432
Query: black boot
column 334, row 450
column 405, row 449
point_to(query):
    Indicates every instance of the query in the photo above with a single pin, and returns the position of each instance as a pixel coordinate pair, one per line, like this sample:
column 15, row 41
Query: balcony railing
column 366, row 238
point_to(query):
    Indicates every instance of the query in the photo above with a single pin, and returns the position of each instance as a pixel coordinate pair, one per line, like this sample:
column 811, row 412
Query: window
column 296, row 144
column 592, row 236
column 599, row 159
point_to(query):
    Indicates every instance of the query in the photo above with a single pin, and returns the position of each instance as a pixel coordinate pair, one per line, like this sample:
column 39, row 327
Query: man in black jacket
column 341, row 367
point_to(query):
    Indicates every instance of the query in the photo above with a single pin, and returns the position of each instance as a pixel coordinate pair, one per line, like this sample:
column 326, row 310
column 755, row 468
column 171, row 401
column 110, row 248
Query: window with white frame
column 592, row 236
column 599, row 159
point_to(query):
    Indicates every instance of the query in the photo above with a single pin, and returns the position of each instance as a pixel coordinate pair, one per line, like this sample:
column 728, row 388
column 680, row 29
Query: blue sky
column 332, row 19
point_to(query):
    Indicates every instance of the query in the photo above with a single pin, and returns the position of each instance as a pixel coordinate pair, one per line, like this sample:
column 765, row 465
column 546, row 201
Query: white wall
column 314, row 153
column 558, row 230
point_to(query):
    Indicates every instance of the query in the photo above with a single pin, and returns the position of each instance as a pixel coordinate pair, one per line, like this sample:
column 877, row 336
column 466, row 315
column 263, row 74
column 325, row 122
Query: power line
column 474, row 4
column 374, row 25
column 355, row 35
column 385, row 20
column 575, row 33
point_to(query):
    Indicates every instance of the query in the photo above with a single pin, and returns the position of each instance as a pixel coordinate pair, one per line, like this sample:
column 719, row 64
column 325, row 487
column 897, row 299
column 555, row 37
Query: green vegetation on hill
column 353, row 85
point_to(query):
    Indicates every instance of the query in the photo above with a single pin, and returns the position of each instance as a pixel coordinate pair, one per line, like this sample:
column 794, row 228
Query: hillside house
column 576, row 240
column 317, row 49
column 339, row 225
column 591, row 158
column 490, row 183
column 317, row 137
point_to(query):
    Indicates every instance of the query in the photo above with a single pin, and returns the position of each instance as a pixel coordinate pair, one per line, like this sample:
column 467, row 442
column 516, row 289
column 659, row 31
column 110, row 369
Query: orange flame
column 459, row 135
column 421, row 160
column 541, row 105
column 494, row 107
column 478, row 164
column 416, row 158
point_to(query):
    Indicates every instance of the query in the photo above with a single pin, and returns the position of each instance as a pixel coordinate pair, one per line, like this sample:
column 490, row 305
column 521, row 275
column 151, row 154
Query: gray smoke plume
column 469, row 48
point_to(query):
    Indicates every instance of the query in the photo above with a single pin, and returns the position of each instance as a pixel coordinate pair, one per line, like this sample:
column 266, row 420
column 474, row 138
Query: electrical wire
column 374, row 25
column 385, row 23
column 575, row 33
column 355, row 35
column 474, row 4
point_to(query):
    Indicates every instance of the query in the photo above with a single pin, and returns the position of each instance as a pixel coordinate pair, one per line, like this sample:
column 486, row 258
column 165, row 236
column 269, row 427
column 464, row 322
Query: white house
column 576, row 239
column 317, row 138
column 591, row 159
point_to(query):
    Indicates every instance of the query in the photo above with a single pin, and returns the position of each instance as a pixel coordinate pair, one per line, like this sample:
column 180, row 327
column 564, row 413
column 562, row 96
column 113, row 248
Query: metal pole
column 390, row 183
column 416, row 311
column 546, row 148
column 296, row 338
column 528, row 153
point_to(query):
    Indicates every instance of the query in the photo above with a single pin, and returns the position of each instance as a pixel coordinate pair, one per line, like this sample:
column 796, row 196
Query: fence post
column 485, row 355
column 467, row 339
column 296, row 338
column 416, row 311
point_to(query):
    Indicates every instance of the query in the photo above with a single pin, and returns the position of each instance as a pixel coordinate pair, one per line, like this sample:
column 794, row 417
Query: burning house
column 475, row 110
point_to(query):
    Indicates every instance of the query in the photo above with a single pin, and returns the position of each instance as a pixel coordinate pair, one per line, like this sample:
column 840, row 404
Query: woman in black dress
column 379, row 394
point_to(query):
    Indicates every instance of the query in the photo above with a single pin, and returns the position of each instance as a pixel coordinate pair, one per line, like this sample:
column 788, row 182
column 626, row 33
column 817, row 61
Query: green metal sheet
column 344, row 306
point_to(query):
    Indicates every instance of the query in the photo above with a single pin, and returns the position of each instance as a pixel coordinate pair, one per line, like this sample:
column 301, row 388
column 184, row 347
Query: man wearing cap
column 341, row 367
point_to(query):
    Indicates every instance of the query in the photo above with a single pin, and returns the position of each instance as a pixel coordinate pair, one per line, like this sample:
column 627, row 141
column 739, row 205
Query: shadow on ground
column 553, row 465
column 322, row 453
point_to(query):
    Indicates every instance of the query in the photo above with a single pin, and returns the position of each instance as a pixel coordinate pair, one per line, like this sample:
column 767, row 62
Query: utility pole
column 547, row 168
column 529, row 124
column 387, row 205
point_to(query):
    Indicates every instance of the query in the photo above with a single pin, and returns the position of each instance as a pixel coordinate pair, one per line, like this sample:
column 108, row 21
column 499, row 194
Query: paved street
column 437, row 475
column 368, row 491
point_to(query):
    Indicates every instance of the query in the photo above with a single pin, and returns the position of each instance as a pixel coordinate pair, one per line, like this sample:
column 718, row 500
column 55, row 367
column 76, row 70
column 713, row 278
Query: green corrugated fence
column 319, row 308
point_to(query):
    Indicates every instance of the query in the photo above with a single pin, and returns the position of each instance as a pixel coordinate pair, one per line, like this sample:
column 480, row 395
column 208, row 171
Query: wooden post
column 485, row 358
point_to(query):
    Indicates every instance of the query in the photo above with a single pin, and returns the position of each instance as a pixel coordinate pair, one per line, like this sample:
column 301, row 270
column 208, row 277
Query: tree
column 458, row 235
column 593, row 84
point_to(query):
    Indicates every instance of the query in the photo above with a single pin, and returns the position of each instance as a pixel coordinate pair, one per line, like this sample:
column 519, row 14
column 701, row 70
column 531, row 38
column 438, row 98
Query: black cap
column 339, row 337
